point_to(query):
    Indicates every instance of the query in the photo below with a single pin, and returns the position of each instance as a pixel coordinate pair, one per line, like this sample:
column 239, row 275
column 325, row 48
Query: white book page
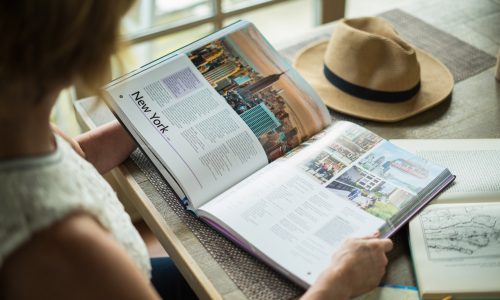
column 456, row 248
column 203, row 143
column 293, row 220
column 475, row 162
column 455, row 241
column 297, row 210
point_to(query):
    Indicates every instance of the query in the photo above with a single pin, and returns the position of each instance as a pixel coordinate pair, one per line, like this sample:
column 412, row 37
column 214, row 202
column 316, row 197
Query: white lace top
column 36, row 192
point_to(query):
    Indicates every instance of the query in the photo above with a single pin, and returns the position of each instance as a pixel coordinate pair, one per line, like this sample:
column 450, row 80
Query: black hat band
column 369, row 94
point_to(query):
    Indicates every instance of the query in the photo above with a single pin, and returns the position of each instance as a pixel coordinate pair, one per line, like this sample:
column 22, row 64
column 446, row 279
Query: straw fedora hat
column 368, row 71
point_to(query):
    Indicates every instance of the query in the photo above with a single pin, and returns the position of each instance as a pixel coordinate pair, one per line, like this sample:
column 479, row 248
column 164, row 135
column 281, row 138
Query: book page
column 474, row 161
column 217, row 110
column 456, row 249
column 455, row 241
column 292, row 220
column 191, row 129
column 342, row 183
column 276, row 103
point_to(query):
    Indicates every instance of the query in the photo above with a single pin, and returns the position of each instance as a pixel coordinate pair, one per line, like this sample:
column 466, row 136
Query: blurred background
column 153, row 28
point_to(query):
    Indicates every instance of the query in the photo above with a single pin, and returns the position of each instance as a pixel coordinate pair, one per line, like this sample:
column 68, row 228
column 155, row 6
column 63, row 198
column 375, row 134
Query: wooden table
column 473, row 112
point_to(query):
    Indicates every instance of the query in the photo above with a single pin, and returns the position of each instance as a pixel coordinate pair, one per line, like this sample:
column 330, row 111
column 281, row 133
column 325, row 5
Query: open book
column 455, row 241
column 249, row 147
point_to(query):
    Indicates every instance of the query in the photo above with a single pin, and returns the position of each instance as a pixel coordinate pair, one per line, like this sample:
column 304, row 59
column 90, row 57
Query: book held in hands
column 250, row 148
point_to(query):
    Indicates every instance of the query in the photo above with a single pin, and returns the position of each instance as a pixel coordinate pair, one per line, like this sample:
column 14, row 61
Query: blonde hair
column 50, row 44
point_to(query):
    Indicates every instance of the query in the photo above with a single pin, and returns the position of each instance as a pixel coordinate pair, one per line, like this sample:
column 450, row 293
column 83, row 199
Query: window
column 157, row 27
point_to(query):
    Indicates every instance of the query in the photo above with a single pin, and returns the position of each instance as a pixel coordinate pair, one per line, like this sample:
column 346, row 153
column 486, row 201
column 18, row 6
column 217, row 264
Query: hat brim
column 435, row 86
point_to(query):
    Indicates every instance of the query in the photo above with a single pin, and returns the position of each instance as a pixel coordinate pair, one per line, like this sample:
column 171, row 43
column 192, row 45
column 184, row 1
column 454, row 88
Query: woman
column 63, row 233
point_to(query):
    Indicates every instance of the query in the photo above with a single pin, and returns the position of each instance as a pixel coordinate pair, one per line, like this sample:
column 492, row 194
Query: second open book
column 250, row 148
column 455, row 241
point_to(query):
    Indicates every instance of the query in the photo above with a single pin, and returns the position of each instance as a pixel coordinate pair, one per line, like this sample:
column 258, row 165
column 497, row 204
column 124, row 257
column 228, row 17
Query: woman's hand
column 356, row 268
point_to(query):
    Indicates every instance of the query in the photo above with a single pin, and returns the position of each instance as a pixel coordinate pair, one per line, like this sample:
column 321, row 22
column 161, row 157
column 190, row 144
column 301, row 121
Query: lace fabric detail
column 37, row 192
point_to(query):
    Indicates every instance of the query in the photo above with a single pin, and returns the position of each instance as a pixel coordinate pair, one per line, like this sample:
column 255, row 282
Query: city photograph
column 360, row 136
column 261, row 89
column 370, row 193
column 352, row 141
column 399, row 167
column 345, row 150
column 323, row 167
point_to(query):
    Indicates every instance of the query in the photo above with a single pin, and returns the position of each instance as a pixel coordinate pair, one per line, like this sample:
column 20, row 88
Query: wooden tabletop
column 472, row 112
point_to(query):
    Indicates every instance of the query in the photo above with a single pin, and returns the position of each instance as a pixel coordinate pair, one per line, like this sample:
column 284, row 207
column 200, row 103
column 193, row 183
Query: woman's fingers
column 376, row 234
column 387, row 244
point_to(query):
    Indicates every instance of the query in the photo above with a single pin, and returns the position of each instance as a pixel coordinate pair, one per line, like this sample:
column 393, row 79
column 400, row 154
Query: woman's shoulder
column 68, row 237
column 51, row 252
column 75, row 256
column 37, row 195
column 37, row 192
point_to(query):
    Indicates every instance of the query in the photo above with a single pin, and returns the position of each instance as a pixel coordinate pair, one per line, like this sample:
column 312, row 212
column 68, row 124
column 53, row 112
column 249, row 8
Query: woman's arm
column 73, row 259
column 105, row 147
